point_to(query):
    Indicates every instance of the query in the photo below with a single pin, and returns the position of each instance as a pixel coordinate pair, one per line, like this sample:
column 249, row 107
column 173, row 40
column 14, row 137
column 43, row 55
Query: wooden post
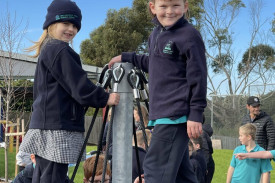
column 23, row 128
column 17, row 145
column 11, row 139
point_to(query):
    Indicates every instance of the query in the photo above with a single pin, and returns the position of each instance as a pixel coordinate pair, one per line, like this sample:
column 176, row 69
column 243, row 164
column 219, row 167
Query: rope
column 99, row 147
column 136, row 151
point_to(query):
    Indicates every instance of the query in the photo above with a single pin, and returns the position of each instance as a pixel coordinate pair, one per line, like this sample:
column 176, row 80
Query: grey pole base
column 122, row 131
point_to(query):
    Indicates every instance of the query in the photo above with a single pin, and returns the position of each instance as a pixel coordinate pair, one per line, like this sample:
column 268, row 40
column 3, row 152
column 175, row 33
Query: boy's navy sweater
column 62, row 90
column 177, row 71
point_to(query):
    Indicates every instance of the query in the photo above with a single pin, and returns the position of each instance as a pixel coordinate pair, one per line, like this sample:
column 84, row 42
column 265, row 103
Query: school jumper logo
column 167, row 49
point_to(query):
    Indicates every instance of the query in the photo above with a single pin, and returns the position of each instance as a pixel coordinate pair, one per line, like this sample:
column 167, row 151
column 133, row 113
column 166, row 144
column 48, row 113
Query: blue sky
column 94, row 13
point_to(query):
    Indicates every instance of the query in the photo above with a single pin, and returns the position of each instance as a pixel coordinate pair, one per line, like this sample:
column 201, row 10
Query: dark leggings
column 46, row 171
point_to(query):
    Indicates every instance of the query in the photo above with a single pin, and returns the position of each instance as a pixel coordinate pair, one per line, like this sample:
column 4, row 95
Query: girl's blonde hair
column 47, row 33
column 144, row 113
column 186, row 15
column 140, row 137
column 249, row 129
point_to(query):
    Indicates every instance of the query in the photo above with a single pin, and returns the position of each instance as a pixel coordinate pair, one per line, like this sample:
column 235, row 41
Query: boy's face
column 168, row 12
column 244, row 139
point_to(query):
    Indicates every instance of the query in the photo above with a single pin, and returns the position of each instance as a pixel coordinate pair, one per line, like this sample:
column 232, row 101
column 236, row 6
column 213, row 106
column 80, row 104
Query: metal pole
column 122, row 131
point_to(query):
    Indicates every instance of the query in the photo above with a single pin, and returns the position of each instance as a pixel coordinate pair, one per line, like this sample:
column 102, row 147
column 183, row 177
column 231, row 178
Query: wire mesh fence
column 225, row 112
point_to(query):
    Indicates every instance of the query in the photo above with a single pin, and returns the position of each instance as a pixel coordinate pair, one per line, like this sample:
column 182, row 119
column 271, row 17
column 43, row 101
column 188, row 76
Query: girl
column 177, row 70
column 61, row 91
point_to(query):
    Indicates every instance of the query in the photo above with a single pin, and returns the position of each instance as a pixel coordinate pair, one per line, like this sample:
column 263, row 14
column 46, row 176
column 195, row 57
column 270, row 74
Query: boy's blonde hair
column 140, row 139
column 47, row 33
column 88, row 167
column 187, row 14
column 249, row 129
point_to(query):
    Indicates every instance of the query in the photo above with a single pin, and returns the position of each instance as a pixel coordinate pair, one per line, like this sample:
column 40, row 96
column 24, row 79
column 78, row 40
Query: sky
column 33, row 13
column 94, row 13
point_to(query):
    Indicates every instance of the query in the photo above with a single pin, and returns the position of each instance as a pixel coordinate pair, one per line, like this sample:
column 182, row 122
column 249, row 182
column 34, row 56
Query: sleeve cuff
column 195, row 115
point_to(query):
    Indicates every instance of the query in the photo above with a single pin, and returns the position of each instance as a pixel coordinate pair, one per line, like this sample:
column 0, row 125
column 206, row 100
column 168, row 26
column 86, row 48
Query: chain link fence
column 225, row 112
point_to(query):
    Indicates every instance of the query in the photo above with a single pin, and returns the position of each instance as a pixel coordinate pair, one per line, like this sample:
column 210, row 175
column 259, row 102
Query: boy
column 88, row 167
column 249, row 170
column 177, row 70
column 197, row 159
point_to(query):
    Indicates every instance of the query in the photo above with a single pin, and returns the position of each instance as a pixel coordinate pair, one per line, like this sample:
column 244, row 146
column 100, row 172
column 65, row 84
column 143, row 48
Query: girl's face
column 65, row 31
column 168, row 12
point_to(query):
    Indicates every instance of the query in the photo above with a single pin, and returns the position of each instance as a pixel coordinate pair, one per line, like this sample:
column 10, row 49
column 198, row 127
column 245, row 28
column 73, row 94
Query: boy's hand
column 194, row 129
column 137, row 179
column 114, row 60
column 241, row 156
column 113, row 99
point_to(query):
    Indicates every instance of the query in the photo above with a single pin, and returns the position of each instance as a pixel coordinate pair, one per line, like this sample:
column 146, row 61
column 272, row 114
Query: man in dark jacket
column 265, row 135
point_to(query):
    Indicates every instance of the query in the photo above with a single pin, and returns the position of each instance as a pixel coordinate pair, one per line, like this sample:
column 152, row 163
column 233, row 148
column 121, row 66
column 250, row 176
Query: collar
column 178, row 24
column 256, row 148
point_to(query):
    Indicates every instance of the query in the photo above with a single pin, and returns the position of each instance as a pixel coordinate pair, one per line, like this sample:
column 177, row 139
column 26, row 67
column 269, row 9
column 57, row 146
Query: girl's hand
column 113, row 99
column 114, row 60
column 194, row 129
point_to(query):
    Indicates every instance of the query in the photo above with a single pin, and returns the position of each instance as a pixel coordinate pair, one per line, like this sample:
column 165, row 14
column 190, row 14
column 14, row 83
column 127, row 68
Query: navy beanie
column 63, row 11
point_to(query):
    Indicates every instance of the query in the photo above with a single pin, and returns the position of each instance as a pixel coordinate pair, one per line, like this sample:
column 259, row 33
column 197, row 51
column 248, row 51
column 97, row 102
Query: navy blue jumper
column 177, row 71
column 177, row 78
column 62, row 89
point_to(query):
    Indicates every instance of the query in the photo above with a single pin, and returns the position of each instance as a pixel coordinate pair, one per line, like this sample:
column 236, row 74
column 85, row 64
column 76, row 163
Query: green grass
column 11, row 166
column 11, row 160
column 222, row 160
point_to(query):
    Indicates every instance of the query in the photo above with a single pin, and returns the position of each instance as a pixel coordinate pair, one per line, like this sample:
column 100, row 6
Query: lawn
column 222, row 160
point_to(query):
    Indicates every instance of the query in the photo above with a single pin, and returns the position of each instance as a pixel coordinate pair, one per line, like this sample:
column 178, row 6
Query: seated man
column 88, row 167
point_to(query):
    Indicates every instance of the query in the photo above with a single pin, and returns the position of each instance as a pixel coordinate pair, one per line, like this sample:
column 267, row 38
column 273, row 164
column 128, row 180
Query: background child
column 88, row 167
column 208, row 150
column 61, row 93
column 145, row 116
column 177, row 70
column 198, row 155
column 25, row 176
column 22, row 160
column 141, row 152
column 249, row 170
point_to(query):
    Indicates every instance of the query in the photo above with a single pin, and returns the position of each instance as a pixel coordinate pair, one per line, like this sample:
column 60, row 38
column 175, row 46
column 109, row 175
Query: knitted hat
column 63, row 11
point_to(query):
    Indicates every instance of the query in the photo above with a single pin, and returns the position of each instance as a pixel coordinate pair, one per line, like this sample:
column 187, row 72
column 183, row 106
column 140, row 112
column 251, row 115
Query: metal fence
column 225, row 112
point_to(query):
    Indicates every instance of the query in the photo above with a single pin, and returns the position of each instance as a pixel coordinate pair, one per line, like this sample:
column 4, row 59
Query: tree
column 273, row 25
column 11, row 35
column 125, row 30
column 226, row 72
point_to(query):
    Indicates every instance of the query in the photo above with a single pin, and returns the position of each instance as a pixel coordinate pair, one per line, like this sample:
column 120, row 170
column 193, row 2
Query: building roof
column 22, row 66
